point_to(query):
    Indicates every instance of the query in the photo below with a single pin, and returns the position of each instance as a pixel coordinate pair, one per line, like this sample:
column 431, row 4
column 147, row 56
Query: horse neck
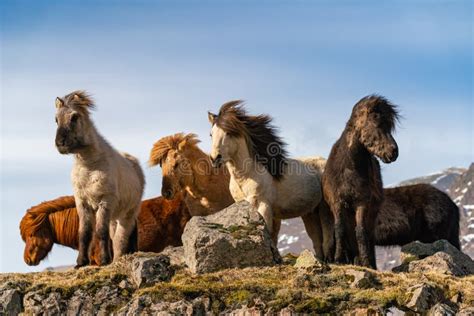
column 209, row 183
column 242, row 165
column 95, row 151
column 65, row 228
column 356, row 153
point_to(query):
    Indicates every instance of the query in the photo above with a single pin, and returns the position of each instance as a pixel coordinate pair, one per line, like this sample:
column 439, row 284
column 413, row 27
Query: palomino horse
column 108, row 186
column 186, row 168
column 276, row 186
column 352, row 182
column 160, row 224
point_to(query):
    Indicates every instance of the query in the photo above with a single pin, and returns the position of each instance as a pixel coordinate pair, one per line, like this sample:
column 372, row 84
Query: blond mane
column 173, row 142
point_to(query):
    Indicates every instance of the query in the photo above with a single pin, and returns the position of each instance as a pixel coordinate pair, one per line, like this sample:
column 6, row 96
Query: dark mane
column 37, row 216
column 264, row 145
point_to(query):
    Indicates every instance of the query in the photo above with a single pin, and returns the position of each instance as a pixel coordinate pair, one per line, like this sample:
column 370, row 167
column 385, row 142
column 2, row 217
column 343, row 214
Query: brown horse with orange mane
column 160, row 224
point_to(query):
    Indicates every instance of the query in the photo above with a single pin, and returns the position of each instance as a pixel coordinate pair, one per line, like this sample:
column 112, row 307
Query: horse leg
column 312, row 225
column 123, row 232
column 327, row 227
column 86, row 230
column 266, row 212
column 103, row 233
column 340, row 255
column 276, row 231
column 364, row 235
column 133, row 240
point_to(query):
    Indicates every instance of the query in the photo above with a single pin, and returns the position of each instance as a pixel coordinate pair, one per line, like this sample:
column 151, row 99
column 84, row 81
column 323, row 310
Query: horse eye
column 175, row 166
column 56, row 119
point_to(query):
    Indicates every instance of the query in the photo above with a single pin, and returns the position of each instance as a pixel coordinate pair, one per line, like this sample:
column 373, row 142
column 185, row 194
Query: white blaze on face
column 217, row 135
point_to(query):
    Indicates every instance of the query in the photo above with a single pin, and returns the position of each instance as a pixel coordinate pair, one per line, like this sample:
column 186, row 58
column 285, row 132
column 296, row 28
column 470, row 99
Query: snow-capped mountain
column 457, row 182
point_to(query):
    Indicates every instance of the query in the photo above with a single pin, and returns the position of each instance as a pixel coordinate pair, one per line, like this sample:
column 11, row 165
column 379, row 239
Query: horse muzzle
column 390, row 157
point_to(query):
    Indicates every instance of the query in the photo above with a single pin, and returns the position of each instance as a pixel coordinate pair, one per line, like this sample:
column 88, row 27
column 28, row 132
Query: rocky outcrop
column 235, row 237
column 148, row 284
column 440, row 257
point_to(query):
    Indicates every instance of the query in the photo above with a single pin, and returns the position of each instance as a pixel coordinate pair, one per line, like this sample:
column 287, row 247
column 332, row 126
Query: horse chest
column 90, row 186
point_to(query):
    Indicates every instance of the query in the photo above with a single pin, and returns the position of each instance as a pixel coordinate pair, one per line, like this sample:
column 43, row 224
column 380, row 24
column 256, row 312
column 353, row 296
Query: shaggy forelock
column 162, row 147
column 389, row 112
column 80, row 101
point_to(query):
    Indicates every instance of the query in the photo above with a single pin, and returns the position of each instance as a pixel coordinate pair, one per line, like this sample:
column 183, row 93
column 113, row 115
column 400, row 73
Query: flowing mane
column 164, row 145
column 264, row 145
column 37, row 216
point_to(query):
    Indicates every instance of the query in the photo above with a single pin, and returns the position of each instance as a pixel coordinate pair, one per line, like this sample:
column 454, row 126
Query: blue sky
column 156, row 67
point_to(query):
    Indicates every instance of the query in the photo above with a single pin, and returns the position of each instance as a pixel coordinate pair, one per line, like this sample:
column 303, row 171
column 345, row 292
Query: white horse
column 278, row 187
column 108, row 185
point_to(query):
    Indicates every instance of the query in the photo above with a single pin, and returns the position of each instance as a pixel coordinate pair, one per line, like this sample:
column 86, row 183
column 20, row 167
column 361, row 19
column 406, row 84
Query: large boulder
column 440, row 257
column 235, row 237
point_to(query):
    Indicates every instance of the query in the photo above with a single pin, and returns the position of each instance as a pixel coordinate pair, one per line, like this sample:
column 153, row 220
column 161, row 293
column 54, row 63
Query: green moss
column 314, row 305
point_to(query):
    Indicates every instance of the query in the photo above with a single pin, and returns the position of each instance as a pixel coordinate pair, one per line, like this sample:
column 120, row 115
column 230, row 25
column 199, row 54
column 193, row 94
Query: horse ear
column 59, row 103
column 76, row 97
column 182, row 144
column 211, row 117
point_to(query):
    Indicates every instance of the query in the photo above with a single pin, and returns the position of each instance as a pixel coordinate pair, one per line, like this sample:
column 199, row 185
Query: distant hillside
column 457, row 182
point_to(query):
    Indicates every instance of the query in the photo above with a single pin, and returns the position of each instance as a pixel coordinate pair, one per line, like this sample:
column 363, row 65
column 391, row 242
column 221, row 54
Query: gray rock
column 439, row 256
column 10, row 302
column 362, row 279
column 246, row 311
column 176, row 255
column 308, row 261
column 235, row 237
column 38, row 303
column 395, row 311
column 423, row 297
column 143, row 305
column 147, row 269
column 442, row 310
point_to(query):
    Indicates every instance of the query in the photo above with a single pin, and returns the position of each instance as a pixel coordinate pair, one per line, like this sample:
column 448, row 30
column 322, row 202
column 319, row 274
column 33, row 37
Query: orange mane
column 164, row 145
column 37, row 216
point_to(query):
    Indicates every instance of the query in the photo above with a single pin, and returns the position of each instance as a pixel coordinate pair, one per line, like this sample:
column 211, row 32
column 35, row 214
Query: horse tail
column 136, row 165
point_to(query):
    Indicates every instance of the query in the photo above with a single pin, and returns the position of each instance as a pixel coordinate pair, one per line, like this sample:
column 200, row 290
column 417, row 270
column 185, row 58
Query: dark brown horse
column 409, row 213
column 416, row 212
column 352, row 183
column 160, row 224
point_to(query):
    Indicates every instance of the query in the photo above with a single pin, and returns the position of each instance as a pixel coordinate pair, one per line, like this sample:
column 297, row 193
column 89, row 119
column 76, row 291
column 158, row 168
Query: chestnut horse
column 186, row 168
column 352, row 183
column 160, row 224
